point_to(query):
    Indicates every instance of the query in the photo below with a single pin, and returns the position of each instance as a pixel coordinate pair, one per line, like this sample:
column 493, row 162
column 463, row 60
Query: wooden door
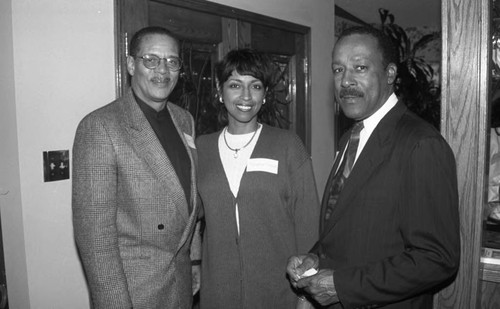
column 207, row 31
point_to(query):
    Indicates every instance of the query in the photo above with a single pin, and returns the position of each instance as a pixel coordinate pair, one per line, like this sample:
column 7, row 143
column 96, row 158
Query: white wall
column 319, row 16
column 63, row 67
column 11, row 211
column 57, row 65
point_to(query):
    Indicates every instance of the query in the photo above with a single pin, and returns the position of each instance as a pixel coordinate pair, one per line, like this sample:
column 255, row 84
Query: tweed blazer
column 131, row 220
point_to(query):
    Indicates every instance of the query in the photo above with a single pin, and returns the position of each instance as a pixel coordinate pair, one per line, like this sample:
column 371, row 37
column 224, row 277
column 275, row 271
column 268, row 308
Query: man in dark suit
column 134, row 187
column 390, row 238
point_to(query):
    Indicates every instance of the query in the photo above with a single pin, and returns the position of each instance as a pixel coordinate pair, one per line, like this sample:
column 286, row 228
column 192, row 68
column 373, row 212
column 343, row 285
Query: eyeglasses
column 151, row 62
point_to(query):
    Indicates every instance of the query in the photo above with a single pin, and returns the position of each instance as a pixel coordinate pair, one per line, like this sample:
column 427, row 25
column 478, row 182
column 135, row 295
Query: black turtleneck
column 167, row 134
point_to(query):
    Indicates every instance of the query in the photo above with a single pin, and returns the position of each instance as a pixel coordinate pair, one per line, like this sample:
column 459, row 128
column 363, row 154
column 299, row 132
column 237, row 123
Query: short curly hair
column 389, row 51
column 136, row 41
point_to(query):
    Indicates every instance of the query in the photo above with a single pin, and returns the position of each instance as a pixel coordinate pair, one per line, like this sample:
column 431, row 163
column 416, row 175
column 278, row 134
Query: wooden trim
column 307, row 87
column 187, row 24
column 490, row 272
column 301, row 77
column 293, row 63
column 489, row 295
column 235, row 34
column 229, row 35
column 244, row 34
column 118, row 50
column 124, row 9
column 230, row 12
column 464, row 124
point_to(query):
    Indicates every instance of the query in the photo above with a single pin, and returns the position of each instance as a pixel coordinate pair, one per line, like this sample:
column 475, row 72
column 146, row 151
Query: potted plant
column 414, row 84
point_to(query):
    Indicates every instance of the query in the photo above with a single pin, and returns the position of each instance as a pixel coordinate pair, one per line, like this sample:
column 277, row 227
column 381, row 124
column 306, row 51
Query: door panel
column 188, row 24
column 208, row 30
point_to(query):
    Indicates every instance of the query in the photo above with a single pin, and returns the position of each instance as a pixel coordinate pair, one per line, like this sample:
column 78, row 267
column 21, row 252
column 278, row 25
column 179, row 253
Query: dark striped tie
column 344, row 169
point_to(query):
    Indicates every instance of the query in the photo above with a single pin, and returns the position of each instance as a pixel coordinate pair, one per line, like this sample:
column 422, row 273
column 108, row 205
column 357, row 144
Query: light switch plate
column 55, row 165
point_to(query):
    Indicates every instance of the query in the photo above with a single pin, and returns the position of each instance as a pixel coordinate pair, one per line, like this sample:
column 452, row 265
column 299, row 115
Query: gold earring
column 221, row 100
column 263, row 101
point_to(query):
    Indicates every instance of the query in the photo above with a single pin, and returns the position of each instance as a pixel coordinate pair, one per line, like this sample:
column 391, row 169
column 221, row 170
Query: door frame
column 135, row 12
column 465, row 125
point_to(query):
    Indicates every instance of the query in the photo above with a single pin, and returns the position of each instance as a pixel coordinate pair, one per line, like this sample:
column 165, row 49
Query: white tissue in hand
column 309, row 272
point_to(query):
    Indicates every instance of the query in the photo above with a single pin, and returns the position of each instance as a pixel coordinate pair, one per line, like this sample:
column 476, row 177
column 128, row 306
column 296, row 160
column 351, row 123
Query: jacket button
column 161, row 226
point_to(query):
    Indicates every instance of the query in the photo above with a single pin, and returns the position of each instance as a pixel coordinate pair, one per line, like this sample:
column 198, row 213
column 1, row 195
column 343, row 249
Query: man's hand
column 196, row 272
column 297, row 265
column 320, row 286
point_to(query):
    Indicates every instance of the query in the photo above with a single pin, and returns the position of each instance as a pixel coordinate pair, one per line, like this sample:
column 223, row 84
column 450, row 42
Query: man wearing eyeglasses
column 134, row 187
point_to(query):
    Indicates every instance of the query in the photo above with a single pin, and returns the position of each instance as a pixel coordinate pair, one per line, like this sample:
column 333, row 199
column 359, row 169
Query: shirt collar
column 371, row 122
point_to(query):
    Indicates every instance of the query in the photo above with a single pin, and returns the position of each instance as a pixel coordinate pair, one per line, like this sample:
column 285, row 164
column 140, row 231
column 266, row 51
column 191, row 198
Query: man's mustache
column 351, row 92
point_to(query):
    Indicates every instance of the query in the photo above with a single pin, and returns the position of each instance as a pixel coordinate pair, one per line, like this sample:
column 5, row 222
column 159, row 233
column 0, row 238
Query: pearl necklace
column 238, row 149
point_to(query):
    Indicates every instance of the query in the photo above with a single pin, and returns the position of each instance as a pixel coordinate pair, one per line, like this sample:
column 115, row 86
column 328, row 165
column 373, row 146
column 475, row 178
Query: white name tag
column 189, row 140
column 262, row 165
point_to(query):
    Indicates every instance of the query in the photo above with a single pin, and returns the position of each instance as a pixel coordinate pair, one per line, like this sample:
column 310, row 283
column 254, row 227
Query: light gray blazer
column 130, row 213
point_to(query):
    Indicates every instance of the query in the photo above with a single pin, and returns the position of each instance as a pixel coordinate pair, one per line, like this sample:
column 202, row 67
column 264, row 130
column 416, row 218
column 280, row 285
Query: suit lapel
column 147, row 145
column 188, row 141
column 375, row 152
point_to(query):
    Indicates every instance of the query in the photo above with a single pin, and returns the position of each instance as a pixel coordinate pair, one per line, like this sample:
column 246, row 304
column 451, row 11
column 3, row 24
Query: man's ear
column 392, row 72
column 130, row 65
